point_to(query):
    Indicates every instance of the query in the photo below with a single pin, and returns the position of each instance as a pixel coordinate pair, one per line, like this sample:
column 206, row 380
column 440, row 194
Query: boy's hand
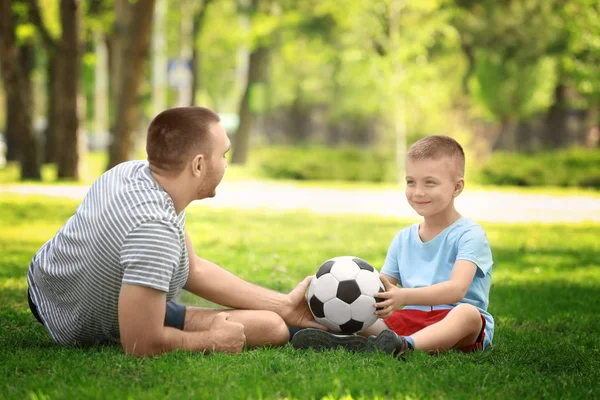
column 392, row 299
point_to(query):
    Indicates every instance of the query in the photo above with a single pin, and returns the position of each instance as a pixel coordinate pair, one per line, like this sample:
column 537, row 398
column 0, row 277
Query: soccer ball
column 341, row 295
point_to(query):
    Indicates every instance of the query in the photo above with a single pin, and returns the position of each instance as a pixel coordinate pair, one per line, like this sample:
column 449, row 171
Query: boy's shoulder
column 406, row 231
column 466, row 223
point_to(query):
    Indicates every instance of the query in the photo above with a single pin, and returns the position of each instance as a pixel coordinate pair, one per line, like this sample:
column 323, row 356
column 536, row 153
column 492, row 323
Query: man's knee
column 275, row 328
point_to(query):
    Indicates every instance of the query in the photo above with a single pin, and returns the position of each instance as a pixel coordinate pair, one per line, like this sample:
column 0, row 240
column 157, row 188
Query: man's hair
column 436, row 147
column 177, row 134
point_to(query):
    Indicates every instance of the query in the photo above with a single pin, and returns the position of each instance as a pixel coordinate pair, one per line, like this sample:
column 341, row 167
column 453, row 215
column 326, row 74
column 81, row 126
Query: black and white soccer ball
column 341, row 295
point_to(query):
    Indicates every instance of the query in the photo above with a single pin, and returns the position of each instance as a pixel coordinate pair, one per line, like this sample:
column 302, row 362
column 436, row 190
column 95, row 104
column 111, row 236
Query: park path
column 484, row 206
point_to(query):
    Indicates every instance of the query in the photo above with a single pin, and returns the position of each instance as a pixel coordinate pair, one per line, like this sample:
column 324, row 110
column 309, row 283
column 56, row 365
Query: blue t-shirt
column 416, row 264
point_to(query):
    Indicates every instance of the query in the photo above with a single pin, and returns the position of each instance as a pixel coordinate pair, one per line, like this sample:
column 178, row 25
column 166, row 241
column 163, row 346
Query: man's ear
column 198, row 165
column 458, row 187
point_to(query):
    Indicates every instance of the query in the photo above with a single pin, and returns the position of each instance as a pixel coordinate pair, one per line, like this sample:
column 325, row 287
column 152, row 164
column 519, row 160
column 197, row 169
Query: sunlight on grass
column 12, row 283
column 544, row 298
column 586, row 275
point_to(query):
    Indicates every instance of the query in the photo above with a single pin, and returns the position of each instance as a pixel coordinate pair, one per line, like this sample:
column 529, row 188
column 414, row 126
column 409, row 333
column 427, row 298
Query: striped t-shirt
column 126, row 230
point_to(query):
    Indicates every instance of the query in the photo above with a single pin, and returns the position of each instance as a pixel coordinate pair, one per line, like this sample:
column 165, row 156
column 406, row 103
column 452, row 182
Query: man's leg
column 319, row 340
column 460, row 328
column 260, row 327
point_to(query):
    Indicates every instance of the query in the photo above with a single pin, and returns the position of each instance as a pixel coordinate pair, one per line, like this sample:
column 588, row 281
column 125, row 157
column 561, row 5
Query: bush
column 567, row 168
column 321, row 163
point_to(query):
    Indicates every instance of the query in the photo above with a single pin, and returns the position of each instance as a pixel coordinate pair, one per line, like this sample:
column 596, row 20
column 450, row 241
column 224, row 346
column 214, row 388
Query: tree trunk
column 52, row 108
column 299, row 116
column 115, row 43
column 257, row 74
column 556, row 120
column 52, row 81
column 16, row 86
column 196, row 52
column 70, row 50
column 507, row 137
column 12, row 139
column 137, row 44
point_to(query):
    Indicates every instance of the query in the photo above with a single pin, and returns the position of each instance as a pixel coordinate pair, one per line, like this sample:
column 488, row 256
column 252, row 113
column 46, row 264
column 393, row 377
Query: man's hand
column 296, row 312
column 228, row 336
column 392, row 299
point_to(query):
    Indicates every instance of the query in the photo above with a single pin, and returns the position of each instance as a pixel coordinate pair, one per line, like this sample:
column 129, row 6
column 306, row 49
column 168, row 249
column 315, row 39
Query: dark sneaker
column 389, row 342
column 319, row 340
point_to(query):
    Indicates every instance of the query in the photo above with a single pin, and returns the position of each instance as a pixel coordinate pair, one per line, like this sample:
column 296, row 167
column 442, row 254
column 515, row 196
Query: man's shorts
column 407, row 322
column 174, row 317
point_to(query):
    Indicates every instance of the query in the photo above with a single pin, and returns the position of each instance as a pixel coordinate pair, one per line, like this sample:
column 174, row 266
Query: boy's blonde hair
column 436, row 147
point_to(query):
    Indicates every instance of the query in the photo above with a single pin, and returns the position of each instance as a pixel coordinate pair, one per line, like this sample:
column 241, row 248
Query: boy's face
column 431, row 185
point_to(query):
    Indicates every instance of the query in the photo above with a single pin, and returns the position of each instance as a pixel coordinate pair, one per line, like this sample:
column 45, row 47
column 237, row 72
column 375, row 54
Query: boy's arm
column 449, row 292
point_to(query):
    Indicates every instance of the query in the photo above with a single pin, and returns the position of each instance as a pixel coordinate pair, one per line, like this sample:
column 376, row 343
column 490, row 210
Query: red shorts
column 407, row 322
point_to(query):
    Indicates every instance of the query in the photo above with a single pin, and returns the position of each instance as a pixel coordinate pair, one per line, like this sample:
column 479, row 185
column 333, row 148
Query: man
column 111, row 272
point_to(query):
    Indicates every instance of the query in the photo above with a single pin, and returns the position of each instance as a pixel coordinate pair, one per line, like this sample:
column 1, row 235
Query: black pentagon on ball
column 325, row 268
column 348, row 291
column 363, row 264
column 351, row 326
column 378, row 299
column 316, row 306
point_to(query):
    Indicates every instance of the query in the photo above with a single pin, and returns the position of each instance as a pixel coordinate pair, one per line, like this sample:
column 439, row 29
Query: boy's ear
column 458, row 187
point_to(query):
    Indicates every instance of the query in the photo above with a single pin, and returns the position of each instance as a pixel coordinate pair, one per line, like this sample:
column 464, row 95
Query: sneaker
column 320, row 340
column 389, row 342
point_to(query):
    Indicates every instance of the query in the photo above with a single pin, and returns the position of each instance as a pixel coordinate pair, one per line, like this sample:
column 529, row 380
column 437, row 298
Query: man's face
column 214, row 162
column 430, row 185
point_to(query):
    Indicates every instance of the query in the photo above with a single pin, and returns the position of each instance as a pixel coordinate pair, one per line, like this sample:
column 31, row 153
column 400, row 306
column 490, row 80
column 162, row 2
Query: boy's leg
column 460, row 328
column 260, row 327
column 375, row 329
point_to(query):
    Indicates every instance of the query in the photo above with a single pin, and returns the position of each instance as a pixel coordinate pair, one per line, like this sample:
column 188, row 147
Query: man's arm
column 211, row 282
column 141, row 324
column 449, row 292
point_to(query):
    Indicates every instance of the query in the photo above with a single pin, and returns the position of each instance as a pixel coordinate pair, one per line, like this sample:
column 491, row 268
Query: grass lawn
column 545, row 298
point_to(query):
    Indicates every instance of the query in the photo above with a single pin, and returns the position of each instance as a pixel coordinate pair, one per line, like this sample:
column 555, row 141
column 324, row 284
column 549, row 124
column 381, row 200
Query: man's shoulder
column 130, row 189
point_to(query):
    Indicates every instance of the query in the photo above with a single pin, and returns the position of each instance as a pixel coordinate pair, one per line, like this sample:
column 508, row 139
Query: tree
column 198, row 25
column 64, row 72
column 130, row 65
column 252, row 102
column 18, row 91
column 70, row 75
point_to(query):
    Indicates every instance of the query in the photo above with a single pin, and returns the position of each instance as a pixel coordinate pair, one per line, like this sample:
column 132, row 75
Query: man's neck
column 175, row 188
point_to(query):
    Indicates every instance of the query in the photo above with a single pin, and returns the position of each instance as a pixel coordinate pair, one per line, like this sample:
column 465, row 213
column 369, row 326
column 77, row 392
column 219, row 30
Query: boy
column 443, row 265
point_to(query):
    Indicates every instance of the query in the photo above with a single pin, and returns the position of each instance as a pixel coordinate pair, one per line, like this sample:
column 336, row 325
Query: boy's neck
column 440, row 221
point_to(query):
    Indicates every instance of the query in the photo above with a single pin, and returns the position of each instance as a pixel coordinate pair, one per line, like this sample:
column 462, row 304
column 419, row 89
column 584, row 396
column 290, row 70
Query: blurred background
column 332, row 90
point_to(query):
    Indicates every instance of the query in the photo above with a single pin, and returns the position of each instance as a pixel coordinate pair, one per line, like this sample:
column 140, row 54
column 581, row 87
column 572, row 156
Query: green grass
column 545, row 298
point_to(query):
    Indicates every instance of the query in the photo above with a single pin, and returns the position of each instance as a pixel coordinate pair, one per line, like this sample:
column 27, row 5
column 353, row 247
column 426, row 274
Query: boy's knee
column 471, row 315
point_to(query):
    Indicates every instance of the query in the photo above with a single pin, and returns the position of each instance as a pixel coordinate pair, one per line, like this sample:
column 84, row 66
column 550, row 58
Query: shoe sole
column 319, row 340
column 389, row 342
